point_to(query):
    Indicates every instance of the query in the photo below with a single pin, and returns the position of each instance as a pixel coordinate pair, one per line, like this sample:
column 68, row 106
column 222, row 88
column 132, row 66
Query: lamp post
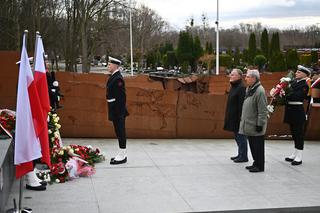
column 131, row 52
column 317, row 33
column 217, row 40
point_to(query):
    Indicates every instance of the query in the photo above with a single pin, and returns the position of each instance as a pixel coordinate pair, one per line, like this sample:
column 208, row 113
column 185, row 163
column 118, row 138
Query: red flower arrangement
column 7, row 123
column 279, row 92
column 60, row 155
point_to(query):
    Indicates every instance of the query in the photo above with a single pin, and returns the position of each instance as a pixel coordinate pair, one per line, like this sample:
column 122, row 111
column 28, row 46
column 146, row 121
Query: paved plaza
column 180, row 175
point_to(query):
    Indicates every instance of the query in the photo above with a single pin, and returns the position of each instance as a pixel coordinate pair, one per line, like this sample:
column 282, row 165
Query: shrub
column 305, row 59
column 225, row 60
column 277, row 62
column 260, row 61
column 292, row 59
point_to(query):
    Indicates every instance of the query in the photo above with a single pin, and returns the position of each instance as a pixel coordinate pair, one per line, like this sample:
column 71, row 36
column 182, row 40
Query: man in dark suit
column 295, row 114
column 117, row 110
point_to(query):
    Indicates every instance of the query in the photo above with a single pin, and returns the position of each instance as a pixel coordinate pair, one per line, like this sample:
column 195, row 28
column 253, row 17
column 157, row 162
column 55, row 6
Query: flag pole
column 217, row 41
column 35, row 49
column 21, row 179
column 131, row 51
column 15, row 210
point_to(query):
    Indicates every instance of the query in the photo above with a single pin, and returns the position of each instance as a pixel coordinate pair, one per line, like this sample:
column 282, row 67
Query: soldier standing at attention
column 117, row 110
column 295, row 114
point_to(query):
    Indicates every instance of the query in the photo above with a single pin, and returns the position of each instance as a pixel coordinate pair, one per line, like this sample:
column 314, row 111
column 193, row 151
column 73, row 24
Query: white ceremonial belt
column 295, row 102
column 111, row 100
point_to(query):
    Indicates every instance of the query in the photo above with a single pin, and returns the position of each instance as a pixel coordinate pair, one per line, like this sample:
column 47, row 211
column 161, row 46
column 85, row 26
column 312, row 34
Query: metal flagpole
column 131, row 51
column 35, row 49
column 15, row 210
column 217, row 40
column 21, row 179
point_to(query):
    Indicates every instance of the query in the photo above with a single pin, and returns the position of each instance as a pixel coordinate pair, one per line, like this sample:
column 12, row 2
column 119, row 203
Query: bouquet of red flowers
column 280, row 91
column 7, row 123
column 61, row 155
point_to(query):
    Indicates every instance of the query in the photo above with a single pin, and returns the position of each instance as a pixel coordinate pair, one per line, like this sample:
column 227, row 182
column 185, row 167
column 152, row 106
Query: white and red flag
column 29, row 118
column 40, row 79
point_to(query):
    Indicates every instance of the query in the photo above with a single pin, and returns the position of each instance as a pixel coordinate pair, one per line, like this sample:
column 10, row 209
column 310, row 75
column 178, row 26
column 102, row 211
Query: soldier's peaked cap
column 114, row 60
column 304, row 69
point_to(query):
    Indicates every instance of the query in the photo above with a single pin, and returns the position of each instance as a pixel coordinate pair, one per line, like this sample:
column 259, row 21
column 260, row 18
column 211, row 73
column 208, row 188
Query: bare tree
column 147, row 24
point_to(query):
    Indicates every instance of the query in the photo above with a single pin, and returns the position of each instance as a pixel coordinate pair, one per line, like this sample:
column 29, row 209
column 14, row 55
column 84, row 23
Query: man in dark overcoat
column 233, row 114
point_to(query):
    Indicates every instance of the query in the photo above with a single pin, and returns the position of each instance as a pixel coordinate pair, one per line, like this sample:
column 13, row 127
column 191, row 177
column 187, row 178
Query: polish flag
column 40, row 80
column 29, row 118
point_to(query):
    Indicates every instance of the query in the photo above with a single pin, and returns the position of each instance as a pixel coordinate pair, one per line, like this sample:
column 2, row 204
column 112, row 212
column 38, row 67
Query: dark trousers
column 256, row 144
column 120, row 130
column 242, row 146
column 297, row 133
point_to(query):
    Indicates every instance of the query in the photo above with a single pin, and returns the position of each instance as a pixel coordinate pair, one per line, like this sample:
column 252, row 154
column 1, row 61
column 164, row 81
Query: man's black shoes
column 249, row 167
column 255, row 169
column 233, row 158
column 240, row 160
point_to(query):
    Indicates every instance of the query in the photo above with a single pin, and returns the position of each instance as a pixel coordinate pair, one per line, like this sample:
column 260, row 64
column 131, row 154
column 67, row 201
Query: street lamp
column 217, row 40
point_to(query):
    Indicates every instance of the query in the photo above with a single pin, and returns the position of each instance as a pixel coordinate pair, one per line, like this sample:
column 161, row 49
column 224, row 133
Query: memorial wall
column 191, row 107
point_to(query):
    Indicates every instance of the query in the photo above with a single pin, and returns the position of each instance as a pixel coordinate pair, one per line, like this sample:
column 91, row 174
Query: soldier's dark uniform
column 117, row 110
column 295, row 114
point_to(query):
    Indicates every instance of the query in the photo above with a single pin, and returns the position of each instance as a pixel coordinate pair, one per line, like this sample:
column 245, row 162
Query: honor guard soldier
column 117, row 110
column 295, row 114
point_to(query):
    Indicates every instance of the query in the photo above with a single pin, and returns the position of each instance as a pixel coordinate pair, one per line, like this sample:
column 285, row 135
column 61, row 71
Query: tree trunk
column 84, row 47
column 142, row 52
column 38, row 16
column 74, row 40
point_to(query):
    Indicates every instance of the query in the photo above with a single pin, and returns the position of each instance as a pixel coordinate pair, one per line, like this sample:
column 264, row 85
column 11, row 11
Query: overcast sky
column 271, row 13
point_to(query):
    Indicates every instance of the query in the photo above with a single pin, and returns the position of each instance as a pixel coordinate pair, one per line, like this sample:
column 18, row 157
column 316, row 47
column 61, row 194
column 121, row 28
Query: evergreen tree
column 292, row 59
column 151, row 59
column 265, row 43
column 274, row 44
column 164, row 48
column 236, row 57
column 171, row 59
column 314, row 57
column 225, row 60
column 165, row 61
column 197, row 52
column 158, row 58
column 277, row 62
column 210, row 50
column 197, row 49
column 207, row 47
column 184, row 49
column 245, row 56
column 252, row 48
column 229, row 51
